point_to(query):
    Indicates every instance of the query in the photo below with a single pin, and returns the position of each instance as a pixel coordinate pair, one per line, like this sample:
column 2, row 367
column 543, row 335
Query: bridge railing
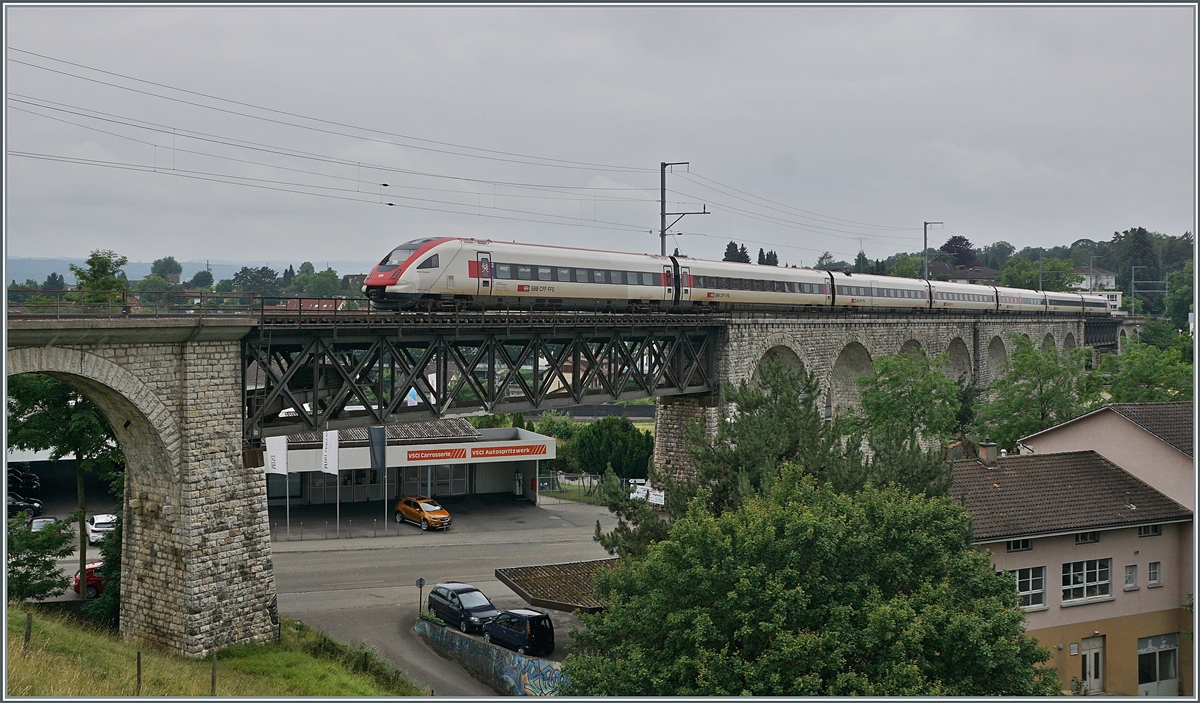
column 67, row 304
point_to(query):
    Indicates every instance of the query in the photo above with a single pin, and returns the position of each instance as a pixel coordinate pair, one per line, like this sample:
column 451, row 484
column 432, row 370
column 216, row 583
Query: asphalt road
column 363, row 589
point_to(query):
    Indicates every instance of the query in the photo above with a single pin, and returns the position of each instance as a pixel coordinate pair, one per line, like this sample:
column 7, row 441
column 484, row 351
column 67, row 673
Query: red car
column 95, row 582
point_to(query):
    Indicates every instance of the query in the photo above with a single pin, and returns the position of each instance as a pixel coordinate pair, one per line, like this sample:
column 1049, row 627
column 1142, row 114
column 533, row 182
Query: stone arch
column 1068, row 343
column 1048, row 343
column 853, row 363
column 997, row 358
column 958, row 361
column 783, row 354
column 912, row 346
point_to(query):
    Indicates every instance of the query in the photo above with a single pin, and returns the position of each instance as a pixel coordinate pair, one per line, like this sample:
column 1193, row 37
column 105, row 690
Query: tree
column 259, row 280
column 20, row 293
column 106, row 610
column 562, row 428
column 225, row 285
column 613, row 442
column 306, row 268
column 46, row 414
column 772, row 258
column 743, row 255
column 1038, row 389
column 32, row 556
column 166, row 266
column 103, row 276
column 1144, row 373
column 1179, row 300
column 907, row 266
column 861, row 263
column 487, row 421
column 54, row 282
column 202, row 279
column 1056, row 274
column 638, row 523
column 824, row 260
column 961, row 249
column 762, row 257
column 288, row 274
column 731, row 252
column 809, row 592
column 997, row 255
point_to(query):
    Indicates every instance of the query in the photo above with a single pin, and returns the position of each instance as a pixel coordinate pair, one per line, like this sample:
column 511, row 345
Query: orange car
column 422, row 511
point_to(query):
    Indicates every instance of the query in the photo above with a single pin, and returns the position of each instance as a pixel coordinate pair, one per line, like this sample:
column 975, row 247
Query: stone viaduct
column 196, row 568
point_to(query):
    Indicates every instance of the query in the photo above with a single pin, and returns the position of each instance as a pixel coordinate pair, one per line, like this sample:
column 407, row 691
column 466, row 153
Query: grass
column 645, row 427
column 579, row 494
column 68, row 658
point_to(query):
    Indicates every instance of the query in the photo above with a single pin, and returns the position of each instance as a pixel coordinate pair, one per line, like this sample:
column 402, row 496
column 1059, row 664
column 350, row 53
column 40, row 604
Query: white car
column 97, row 527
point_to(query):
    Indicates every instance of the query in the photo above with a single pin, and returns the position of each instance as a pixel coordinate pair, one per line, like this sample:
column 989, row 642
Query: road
column 363, row 590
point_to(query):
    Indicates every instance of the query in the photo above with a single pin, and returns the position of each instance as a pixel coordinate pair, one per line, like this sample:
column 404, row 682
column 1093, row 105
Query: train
column 454, row 273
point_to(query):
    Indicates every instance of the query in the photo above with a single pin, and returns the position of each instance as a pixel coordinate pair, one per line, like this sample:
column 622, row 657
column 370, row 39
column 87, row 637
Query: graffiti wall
column 500, row 668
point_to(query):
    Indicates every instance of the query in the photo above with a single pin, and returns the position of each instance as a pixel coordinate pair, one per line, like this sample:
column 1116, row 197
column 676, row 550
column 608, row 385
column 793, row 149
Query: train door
column 484, row 261
column 668, row 283
column 685, row 283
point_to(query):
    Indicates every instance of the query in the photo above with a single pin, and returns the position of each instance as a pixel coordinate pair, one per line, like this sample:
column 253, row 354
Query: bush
column 32, row 571
column 615, row 441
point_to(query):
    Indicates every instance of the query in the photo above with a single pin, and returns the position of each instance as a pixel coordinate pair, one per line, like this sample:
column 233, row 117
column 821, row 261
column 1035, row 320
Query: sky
column 266, row 133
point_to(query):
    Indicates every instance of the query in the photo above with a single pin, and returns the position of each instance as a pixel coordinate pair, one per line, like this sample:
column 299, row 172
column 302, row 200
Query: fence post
column 213, row 690
column 138, row 691
column 351, row 527
column 326, row 529
column 28, row 630
column 374, row 527
column 301, row 530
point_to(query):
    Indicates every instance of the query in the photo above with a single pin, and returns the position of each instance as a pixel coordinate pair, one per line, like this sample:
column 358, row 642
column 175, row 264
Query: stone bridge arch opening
column 1048, row 343
column 1069, row 343
column 782, row 355
column 912, row 346
column 183, row 553
column 997, row 358
column 958, row 361
column 853, row 362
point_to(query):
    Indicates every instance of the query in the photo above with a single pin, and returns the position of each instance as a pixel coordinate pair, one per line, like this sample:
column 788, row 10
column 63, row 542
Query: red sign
column 511, row 450
column 522, row 289
column 433, row 454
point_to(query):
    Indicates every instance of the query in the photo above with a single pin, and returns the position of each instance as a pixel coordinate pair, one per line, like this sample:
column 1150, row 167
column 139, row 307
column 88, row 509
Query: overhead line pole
column 662, row 204
column 925, row 251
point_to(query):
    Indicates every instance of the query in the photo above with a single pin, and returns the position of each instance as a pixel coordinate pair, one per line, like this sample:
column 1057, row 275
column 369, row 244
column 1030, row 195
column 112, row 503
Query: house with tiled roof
column 1101, row 560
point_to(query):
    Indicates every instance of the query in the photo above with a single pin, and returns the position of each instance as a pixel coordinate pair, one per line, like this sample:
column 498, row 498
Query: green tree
column 1056, row 274
column 306, row 268
column 772, row 258
column 225, row 285
column 906, row 266
column 259, row 280
column 639, row 524
column 961, row 249
column 166, row 266
column 32, row 556
column 731, row 252
column 149, row 287
column 106, row 610
column 809, row 592
column 322, row 285
column 20, row 293
column 825, row 260
column 1144, row 373
column 202, row 279
column 1038, row 389
column 54, row 282
column 487, row 421
column 562, row 428
column 861, row 263
column 102, row 278
column 613, row 441
column 1180, row 300
column 777, row 421
column 46, row 414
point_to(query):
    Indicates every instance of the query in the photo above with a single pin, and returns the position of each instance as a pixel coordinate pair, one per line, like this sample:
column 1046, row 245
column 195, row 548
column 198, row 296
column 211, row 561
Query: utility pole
column 1091, row 272
column 662, row 204
column 1133, row 289
column 1040, row 270
column 925, row 251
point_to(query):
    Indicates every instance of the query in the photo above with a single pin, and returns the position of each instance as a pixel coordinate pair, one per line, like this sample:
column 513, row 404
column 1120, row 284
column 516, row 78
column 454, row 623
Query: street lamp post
column 925, row 251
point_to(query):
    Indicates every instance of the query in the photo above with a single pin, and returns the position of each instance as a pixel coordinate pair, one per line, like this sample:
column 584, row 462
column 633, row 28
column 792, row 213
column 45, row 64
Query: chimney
column 988, row 456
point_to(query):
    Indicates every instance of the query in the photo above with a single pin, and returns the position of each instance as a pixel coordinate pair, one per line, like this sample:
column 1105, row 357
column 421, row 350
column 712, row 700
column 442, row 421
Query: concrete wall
column 502, row 669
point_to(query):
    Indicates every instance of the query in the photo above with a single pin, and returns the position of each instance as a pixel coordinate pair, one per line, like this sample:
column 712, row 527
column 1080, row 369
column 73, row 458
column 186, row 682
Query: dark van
column 527, row 631
column 461, row 604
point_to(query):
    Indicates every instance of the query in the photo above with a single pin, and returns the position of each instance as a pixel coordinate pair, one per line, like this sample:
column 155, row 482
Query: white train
column 454, row 273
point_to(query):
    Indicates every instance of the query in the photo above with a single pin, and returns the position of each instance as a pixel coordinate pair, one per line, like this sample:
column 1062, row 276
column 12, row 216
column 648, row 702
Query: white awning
column 495, row 445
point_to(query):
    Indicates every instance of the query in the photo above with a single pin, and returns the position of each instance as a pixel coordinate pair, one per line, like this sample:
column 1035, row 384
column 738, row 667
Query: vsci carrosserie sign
column 474, row 453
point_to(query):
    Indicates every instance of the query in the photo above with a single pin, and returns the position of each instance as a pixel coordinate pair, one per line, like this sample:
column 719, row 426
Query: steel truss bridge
column 309, row 372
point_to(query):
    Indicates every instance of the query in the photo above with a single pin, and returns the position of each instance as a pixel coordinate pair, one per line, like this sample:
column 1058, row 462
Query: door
column 458, row 480
column 668, row 282
column 484, row 261
column 1092, row 666
column 1158, row 665
column 441, row 480
column 685, row 283
column 411, row 483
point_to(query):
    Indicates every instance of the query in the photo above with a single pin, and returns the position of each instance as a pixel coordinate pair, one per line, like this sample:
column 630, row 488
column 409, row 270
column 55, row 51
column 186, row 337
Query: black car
column 17, row 504
column 462, row 605
column 527, row 631
column 23, row 482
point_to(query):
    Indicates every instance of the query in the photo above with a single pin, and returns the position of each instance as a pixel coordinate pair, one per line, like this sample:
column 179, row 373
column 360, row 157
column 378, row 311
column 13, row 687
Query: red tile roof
column 1173, row 423
column 1042, row 494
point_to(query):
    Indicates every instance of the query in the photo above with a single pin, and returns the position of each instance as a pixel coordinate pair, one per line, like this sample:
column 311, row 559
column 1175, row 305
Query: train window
column 564, row 274
column 524, row 273
column 598, row 276
column 758, row 285
column 725, row 284
column 618, row 277
column 793, row 287
column 633, row 278
column 503, row 270
column 430, row 263
column 647, row 279
column 543, row 273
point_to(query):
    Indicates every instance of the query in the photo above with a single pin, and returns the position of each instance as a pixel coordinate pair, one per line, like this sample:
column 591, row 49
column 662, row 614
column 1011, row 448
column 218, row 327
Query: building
column 437, row 458
column 1096, row 279
column 1102, row 562
column 981, row 275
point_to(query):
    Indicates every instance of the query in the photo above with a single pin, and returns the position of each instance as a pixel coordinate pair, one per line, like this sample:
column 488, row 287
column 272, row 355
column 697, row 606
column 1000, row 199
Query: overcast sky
column 264, row 133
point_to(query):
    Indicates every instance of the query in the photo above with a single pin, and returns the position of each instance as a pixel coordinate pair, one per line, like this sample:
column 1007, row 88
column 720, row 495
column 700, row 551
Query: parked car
column 18, row 504
column 462, row 605
column 45, row 522
column 422, row 511
column 527, row 631
column 23, row 482
column 95, row 582
column 97, row 527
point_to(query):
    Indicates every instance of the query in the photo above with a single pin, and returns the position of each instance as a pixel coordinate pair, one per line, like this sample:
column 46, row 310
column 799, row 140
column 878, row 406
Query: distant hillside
column 19, row 268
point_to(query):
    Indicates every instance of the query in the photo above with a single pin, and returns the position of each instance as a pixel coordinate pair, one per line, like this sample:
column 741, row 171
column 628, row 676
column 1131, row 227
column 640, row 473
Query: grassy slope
column 68, row 659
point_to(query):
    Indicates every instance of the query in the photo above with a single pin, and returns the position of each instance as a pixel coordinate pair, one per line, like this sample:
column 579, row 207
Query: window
column 503, row 271
column 1031, row 585
column 543, row 273
column 1018, row 545
column 1131, row 577
column 581, row 276
column 633, row 278
column 430, row 263
column 1158, row 661
column 618, row 277
column 598, row 276
column 1087, row 537
column 1154, row 573
column 1150, row 531
column 524, row 273
column 1082, row 580
column 564, row 275
column 647, row 279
